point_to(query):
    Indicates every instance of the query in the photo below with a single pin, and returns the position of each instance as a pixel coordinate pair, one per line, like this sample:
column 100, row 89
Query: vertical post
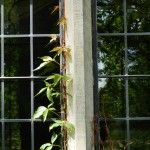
column 80, row 67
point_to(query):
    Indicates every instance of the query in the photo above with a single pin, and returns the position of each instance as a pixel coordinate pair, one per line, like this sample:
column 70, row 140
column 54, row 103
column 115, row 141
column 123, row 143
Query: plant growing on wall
column 55, row 88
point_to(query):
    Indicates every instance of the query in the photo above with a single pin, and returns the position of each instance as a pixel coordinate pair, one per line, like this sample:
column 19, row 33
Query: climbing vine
column 55, row 88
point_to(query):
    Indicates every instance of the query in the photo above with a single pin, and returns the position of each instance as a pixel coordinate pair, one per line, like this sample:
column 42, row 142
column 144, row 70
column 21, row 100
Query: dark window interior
column 26, row 26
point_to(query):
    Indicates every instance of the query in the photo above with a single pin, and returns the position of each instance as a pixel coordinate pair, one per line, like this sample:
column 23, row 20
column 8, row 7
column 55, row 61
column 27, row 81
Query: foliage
column 119, row 57
column 55, row 89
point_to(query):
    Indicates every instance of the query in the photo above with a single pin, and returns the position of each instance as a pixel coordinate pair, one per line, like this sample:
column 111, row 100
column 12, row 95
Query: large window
column 124, row 73
column 25, row 29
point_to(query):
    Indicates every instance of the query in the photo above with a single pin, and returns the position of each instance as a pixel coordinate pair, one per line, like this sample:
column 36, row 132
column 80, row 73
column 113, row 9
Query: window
column 25, row 29
column 123, row 28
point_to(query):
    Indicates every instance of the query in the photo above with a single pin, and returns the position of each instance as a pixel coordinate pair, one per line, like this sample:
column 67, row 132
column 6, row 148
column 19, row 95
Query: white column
column 79, row 38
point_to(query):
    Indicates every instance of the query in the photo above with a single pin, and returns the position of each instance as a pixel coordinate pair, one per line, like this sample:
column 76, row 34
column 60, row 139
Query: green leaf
column 57, row 79
column 66, row 78
column 50, row 77
column 70, row 127
column 54, row 137
column 120, row 144
column 51, row 109
column 47, row 84
column 49, row 148
column 56, row 94
column 59, row 50
column 49, row 94
column 51, row 104
column 44, row 146
column 45, row 113
column 42, row 65
column 39, row 112
column 41, row 91
column 54, row 125
column 46, row 58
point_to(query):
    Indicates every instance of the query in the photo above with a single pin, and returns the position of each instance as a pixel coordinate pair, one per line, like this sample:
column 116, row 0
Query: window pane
column 17, row 136
column 17, row 57
column 0, row 101
column 113, row 133
column 0, row 56
column 139, row 54
column 40, row 100
column 112, row 98
column 45, row 22
column 41, row 130
column 0, row 136
column 138, row 15
column 139, row 94
column 110, row 16
column 42, row 48
column 17, row 17
column 111, row 55
column 17, row 99
column 140, row 135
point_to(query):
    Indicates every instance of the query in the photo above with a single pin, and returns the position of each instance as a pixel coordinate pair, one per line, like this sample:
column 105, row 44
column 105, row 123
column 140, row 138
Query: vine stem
column 106, row 125
column 63, row 72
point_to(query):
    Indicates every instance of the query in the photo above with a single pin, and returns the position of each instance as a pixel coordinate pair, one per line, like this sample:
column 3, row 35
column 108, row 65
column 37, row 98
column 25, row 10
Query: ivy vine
column 55, row 87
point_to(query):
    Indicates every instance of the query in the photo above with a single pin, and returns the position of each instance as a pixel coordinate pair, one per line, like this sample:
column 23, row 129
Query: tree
column 116, row 59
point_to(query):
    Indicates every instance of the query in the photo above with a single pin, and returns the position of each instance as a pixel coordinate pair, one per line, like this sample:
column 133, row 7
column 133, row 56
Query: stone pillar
column 80, row 107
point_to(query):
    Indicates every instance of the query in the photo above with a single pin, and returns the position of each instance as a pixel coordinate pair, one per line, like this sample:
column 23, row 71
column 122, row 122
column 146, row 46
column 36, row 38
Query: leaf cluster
column 53, row 82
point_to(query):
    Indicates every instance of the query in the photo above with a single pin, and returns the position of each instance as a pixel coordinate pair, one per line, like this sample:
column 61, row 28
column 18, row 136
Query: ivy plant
column 54, row 89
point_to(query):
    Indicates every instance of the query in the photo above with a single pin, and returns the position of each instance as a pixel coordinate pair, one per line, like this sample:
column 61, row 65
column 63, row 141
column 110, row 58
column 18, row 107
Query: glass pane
column 0, row 136
column 45, row 22
column 42, row 135
column 0, row 100
column 17, row 136
column 140, row 135
column 111, row 55
column 40, row 100
column 17, row 99
column 17, row 57
column 17, row 17
column 113, row 135
column 139, row 94
column 112, row 98
column 138, row 15
column 139, row 54
column 42, row 48
column 110, row 16
column 0, row 56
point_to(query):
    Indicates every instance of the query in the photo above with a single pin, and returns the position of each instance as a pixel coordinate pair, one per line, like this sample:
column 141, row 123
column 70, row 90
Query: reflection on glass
column 0, row 101
column 140, row 135
column 139, row 94
column 138, row 16
column 17, row 99
column 17, row 57
column 111, row 55
column 112, row 98
column 110, row 16
column 139, row 54
column 17, row 136
column 113, row 134
column 0, row 137
column 45, row 21
column 0, row 57
column 17, row 17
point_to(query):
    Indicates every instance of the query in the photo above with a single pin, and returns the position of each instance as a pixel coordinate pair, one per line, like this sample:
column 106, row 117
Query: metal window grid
column 3, row 78
column 126, row 76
